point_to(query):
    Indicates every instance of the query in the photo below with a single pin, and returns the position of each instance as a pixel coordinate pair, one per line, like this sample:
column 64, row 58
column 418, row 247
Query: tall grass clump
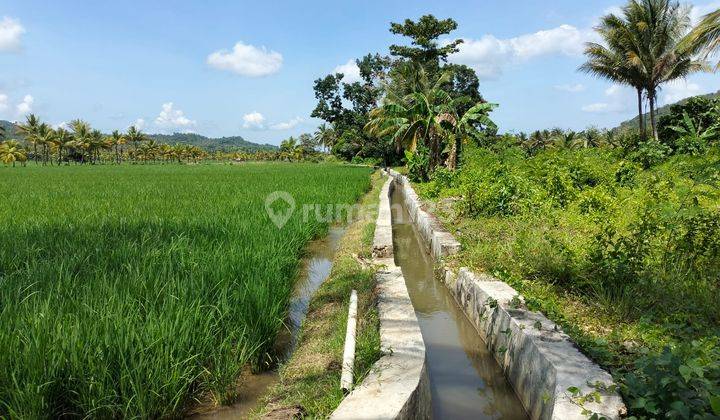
column 131, row 291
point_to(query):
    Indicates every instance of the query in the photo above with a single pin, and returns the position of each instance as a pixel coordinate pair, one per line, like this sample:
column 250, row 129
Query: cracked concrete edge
column 540, row 361
column 398, row 385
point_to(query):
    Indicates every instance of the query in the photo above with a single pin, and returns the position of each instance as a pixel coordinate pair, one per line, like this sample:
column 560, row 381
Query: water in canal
column 465, row 380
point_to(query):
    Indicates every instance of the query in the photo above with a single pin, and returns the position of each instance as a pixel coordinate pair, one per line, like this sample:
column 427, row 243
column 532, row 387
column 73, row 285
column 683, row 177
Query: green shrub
column 594, row 200
column 650, row 153
column 499, row 192
column 679, row 382
column 627, row 172
column 418, row 163
column 704, row 112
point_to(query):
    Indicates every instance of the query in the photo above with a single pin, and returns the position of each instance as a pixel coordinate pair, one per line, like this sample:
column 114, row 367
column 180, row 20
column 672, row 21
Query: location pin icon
column 279, row 218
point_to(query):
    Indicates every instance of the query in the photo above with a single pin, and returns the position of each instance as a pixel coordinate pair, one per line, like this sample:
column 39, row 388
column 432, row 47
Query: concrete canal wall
column 540, row 361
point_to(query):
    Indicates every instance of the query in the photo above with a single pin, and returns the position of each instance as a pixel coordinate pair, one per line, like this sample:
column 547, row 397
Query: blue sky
column 226, row 68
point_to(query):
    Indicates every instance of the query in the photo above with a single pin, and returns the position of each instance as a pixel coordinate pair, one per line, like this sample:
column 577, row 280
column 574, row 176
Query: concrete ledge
column 539, row 360
column 440, row 242
column 398, row 386
column 383, row 239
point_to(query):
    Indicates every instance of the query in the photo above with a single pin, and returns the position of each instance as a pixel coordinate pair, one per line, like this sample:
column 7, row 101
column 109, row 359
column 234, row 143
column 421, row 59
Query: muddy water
column 316, row 268
column 465, row 380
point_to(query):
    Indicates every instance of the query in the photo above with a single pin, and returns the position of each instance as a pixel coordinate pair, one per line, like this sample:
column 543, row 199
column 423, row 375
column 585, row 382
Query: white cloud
column 287, row 125
column 572, row 88
column 139, row 123
column 254, row 120
column 25, row 106
column 10, row 32
column 63, row 125
column 678, row 90
column 489, row 55
column 350, row 70
column 4, row 102
column 617, row 100
column 171, row 118
column 246, row 60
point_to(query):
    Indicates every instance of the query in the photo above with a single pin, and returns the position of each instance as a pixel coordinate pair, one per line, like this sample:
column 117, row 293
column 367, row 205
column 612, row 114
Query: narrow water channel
column 465, row 380
column 316, row 268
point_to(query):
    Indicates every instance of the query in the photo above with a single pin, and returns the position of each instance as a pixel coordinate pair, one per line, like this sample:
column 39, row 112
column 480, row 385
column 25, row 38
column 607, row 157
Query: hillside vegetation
column 210, row 144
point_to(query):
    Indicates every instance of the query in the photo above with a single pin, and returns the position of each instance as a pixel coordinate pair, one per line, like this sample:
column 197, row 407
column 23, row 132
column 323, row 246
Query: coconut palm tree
column 326, row 136
column 29, row 130
column 427, row 115
column 649, row 35
column 116, row 140
column 61, row 141
column 472, row 124
column 81, row 133
column 135, row 136
column 44, row 137
column 610, row 62
column 11, row 151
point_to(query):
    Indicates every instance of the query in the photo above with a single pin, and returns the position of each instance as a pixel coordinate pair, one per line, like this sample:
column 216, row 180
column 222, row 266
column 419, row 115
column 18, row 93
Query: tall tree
column 81, row 133
column 427, row 116
column 62, row 141
column 29, row 130
column 650, row 33
column 135, row 136
column 426, row 49
column 610, row 61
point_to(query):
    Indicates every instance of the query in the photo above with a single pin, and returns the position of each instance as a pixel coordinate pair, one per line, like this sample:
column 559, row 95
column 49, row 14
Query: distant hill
column 663, row 110
column 9, row 128
column 207, row 143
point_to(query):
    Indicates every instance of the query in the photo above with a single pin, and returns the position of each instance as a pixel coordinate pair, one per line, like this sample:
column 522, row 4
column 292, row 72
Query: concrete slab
column 398, row 386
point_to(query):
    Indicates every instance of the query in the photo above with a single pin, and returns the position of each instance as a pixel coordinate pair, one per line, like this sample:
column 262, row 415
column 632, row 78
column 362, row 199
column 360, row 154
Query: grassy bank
column 310, row 380
column 128, row 291
column 626, row 258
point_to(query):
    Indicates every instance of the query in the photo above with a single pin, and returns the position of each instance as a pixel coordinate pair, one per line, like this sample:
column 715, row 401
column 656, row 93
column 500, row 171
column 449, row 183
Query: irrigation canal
column 465, row 380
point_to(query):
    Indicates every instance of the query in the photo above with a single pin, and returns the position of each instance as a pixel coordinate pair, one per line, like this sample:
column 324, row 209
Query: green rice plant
column 135, row 291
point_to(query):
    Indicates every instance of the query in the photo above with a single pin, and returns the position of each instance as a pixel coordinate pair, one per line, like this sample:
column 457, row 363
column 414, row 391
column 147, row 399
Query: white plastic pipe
column 346, row 380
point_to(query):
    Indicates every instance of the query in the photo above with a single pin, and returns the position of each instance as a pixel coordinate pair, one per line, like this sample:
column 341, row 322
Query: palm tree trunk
column 640, row 113
column 651, row 97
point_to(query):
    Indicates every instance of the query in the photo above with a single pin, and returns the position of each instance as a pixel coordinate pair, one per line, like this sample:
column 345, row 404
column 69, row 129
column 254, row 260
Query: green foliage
column 635, row 247
column 703, row 112
column 626, row 173
column 693, row 139
column 418, row 163
column 650, row 153
column 682, row 382
column 131, row 291
column 425, row 34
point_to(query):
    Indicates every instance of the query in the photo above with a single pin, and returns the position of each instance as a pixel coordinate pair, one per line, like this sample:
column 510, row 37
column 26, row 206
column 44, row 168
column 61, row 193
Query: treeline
column 80, row 143
column 689, row 127
column 38, row 142
column 414, row 108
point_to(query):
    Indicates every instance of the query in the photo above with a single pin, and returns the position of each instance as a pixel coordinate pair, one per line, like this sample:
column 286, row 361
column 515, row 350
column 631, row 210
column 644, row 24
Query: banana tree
column 474, row 124
column 693, row 138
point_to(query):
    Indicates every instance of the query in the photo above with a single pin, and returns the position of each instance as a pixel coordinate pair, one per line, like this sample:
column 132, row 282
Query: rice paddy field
column 132, row 291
